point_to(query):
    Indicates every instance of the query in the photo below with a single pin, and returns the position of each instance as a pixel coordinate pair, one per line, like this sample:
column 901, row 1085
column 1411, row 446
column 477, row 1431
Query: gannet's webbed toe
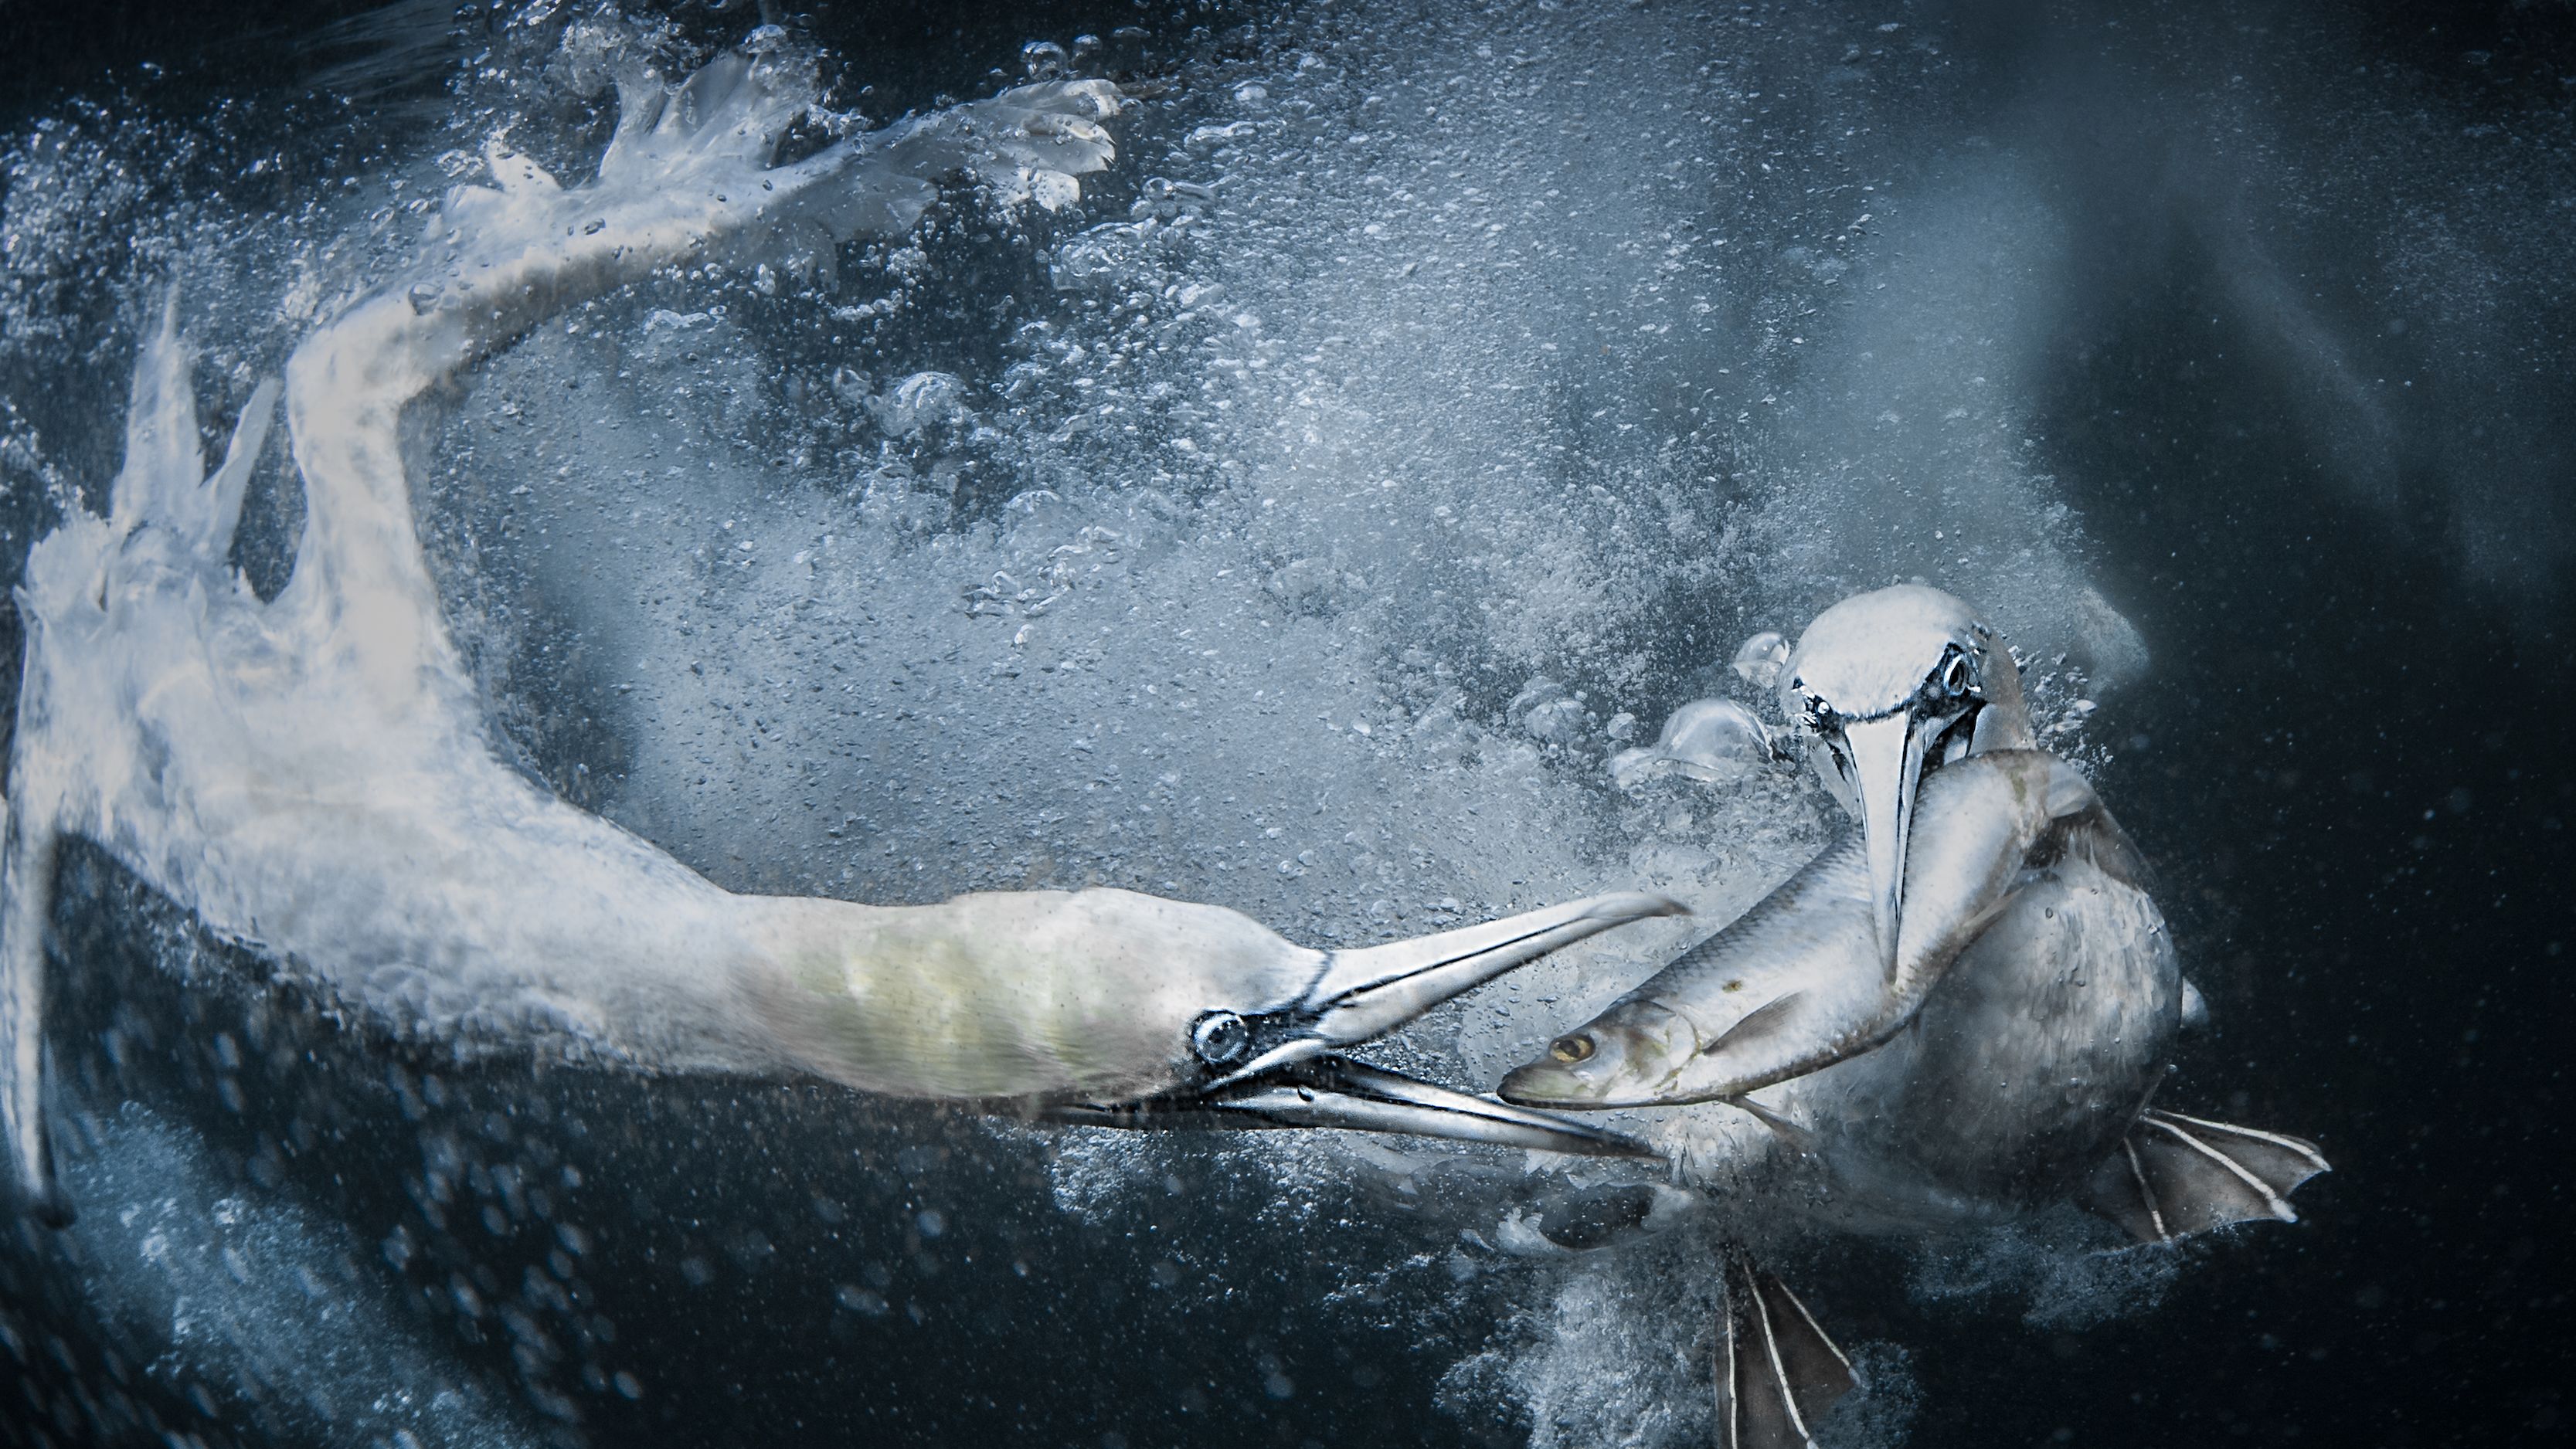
column 1778, row 1374
column 2173, row 1176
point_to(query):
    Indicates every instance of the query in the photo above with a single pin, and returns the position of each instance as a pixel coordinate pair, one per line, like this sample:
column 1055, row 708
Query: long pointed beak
column 1884, row 759
column 1372, row 991
column 1296, row 1081
column 1332, row 1091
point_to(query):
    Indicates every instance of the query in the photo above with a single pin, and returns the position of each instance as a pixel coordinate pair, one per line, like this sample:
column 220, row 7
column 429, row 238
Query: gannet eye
column 1219, row 1037
column 1571, row 1048
column 1817, row 715
column 1957, row 676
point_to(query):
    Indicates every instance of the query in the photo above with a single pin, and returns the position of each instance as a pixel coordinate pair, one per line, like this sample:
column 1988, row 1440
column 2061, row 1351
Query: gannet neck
column 1001, row 995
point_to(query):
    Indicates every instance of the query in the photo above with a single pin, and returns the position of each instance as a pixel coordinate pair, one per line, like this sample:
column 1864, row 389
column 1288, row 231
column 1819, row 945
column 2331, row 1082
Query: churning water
column 1425, row 406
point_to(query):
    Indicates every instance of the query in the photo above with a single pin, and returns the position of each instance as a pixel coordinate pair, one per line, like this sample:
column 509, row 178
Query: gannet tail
column 2173, row 1176
column 165, row 507
column 1778, row 1375
column 169, row 523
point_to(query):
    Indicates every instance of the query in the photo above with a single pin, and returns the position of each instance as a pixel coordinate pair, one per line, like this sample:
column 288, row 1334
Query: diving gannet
column 312, row 777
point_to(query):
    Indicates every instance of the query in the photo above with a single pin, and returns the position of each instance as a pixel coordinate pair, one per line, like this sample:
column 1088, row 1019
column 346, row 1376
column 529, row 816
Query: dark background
column 2355, row 770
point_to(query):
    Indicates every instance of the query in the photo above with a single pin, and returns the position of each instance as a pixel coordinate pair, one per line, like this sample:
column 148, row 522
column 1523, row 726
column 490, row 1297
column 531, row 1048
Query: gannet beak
column 1371, row 991
column 1882, row 759
column 1282, row 1067
column 1333, row 1091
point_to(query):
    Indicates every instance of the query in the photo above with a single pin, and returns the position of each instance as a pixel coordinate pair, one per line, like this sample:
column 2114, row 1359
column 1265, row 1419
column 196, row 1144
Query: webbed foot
column 1778, row 1374
column 2173, row 1176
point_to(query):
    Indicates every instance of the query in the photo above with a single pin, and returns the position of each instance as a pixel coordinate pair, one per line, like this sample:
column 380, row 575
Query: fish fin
column 2173, row 1176
column 2069, row 793
column 2090, row 832
column 1987, row 914
column 1792, row 1035
column 2195, row 1008
column 1788, row 1131
column 1778, row 1374
column 26, row 889
column 1770, row 1025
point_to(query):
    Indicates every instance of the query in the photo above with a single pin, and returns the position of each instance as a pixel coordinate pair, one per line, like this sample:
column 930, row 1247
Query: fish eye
column 1220, row 1037
column 1571, row 1048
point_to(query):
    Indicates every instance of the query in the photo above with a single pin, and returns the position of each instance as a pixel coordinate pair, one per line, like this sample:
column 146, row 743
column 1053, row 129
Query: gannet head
column 1119, row 1009
column 1281, row 1066
column 1883, row 685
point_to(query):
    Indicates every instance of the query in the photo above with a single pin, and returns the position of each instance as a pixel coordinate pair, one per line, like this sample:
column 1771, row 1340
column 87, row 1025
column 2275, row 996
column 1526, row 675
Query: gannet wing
column 2173, row 1176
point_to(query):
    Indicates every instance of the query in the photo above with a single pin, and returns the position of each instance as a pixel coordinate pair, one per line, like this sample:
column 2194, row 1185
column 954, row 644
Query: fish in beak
column 1885, row 684
column 1796, row 983
column 1882, row 761
column 1284, row 1068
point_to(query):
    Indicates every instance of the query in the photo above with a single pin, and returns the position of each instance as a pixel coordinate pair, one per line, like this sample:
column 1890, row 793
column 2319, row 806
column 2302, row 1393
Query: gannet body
column 1957, row 1012
column 311, row 777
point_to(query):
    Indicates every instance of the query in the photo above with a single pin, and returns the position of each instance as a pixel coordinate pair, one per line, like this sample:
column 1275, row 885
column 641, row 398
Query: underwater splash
column 1427, row 413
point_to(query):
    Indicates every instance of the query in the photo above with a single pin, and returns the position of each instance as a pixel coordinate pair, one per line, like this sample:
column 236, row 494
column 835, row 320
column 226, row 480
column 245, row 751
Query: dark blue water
column 2291, row 347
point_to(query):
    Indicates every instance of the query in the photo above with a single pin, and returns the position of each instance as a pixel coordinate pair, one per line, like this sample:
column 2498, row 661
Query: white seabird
column 1956, row 1012
column 311, row 776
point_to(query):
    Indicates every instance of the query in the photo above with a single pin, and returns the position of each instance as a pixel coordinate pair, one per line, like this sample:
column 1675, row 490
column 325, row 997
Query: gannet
column 311, row 776
column 1958, row 1011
